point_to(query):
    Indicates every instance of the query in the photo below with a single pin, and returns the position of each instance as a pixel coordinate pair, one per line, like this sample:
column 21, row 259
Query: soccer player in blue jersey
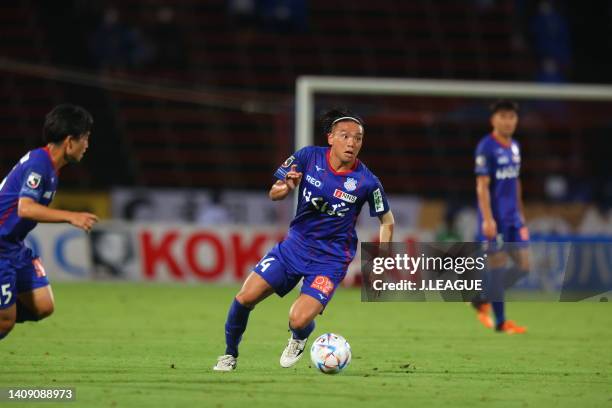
column 333, row 185
column 25, row 193
column 500, row 213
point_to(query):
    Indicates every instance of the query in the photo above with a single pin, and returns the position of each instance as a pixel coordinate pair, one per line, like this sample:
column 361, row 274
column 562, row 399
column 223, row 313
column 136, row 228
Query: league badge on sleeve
column 288, row 162
column 379, row 205
column 33, row 180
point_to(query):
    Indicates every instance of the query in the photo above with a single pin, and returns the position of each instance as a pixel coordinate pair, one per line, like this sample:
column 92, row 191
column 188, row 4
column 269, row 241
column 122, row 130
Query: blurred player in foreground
column 25, row 193
column 500, row 214
column 333, row 185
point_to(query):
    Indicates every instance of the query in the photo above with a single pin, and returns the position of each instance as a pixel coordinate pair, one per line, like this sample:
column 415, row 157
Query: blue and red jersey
column 329, row 203
column 34, row 176
column 502, row 163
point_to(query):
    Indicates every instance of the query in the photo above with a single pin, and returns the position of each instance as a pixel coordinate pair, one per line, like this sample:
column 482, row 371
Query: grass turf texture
column 134, row 345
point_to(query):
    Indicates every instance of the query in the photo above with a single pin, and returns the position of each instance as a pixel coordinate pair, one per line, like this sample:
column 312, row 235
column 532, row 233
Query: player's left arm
column 521, row 209
column 519, row 198
column 387, row 223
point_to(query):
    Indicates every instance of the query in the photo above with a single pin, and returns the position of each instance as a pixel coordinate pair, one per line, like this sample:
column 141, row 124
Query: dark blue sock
column 235, row 325
column 24, row 314
column 301, row 334
column 495, row 292
column 498, row 310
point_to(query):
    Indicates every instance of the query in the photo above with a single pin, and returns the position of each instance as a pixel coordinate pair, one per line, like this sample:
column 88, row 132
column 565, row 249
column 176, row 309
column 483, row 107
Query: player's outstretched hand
column 293, row 178
column 489, row 228
column 83, row 220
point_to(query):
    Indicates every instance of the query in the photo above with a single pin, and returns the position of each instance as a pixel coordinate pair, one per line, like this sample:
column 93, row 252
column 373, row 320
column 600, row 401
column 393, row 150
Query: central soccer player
column 333, row 185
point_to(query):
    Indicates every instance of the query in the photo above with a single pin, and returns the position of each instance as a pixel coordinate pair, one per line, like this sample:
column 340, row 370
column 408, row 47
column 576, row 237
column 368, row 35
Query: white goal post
column 308, row 86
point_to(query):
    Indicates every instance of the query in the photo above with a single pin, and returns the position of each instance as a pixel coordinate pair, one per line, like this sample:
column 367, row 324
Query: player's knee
column 6, row 325
column 299, row 320
column 45, row 310
column 246, row 299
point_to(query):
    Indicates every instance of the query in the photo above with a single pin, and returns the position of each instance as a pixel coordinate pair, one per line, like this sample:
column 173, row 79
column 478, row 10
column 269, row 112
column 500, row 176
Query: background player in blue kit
column 500, row 213
column 321, row 241
column 25, row 193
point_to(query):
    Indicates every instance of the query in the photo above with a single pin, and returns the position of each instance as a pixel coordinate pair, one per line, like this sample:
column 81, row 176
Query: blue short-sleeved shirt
column 328, row 206
column 34, row 176
column 502, row 163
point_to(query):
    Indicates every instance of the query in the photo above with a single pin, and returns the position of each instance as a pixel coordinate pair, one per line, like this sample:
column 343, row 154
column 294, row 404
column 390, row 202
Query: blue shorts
column 20, row 272
column 505, row 234
column 279, row 269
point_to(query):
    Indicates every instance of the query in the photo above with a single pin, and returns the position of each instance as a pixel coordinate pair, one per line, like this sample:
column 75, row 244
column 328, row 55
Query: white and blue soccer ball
column 330, row 353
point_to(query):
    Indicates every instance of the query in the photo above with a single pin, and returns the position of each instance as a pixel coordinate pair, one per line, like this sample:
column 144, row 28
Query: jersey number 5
column 5, row 293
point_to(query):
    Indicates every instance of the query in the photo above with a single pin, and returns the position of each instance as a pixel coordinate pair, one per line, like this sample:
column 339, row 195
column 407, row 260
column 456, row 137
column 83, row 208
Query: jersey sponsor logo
column 379, row 205
column 323, row 284
column 313, row 181
column 349, row 198
column 350, row 184
column 507, row 172
column 33, row 180
column 288, row 162
column 503, row 160
column 323, row 206
column 481, row 160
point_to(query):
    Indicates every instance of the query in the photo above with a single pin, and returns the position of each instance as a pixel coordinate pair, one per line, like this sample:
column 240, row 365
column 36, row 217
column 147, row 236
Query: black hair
column 504, row 105
column 66, row 120
column 328, row 118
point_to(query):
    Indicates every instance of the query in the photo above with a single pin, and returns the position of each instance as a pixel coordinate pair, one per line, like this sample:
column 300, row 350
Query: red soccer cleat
column 483, row 311
column 510, row 327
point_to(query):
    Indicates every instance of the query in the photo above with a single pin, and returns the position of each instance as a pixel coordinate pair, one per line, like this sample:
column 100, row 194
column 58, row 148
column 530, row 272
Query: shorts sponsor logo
column 379, row 205
column 313, row 181
column 349, row 198
column 323, row 284
column 34, row 180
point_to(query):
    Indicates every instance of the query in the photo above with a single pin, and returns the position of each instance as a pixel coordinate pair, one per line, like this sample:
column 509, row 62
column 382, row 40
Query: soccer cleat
column 226, row 363
column 482, row 313
column 510, row 327
column 293, row 352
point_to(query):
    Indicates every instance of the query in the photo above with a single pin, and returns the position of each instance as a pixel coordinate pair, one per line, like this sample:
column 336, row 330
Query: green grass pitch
column 139, row 345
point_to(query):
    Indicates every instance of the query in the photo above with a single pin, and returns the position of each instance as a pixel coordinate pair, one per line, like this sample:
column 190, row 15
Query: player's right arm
column 489, row 226
column 282, row 188
column 30, row 209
